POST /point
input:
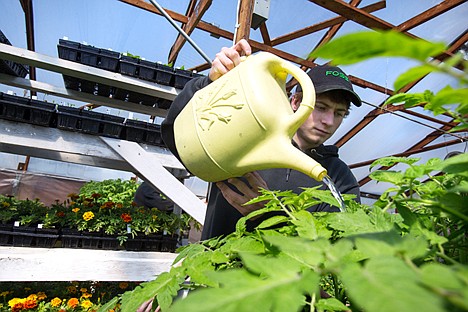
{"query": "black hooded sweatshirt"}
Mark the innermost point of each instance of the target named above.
(221, 217)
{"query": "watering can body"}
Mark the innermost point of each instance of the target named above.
(244, 122)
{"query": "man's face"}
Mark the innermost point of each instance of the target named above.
(322, 123)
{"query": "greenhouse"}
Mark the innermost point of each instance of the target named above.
(246, 155)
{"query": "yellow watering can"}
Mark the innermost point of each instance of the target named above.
(244, 122)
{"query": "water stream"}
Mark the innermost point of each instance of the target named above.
(329, 183)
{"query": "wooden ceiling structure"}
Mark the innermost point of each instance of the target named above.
(192, 19)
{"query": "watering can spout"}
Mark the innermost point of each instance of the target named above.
(244, 122)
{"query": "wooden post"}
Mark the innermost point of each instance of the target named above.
(244, 20)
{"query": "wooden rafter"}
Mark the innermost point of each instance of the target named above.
(408, 152)
(194, 17)
(244, 20)
(376, 112)
(365, 19)
(415, 148)
(323, 25)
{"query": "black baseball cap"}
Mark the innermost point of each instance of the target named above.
(328, 78)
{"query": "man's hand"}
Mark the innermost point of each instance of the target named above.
(228, 58)
(249, 191)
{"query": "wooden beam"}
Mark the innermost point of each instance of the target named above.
(265, 34)
(429, 14)
(244, 20)
(408, 153)
(323, 25)
(372, 22)
(193, 20)
(418, 146)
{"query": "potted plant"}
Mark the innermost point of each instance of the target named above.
(347, 261)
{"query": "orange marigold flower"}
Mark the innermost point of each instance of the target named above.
(119, 205)
(30, 304)
(123, 285)
(17, 307)
(56, 302)
(71, 289)
(83, 290)
(126, 217)
(88, 215)
(73, 303)
(60, 214)
(75, 210)
(86, 304)
(96, 195)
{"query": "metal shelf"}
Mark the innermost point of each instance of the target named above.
(77, 70)
(154, 164)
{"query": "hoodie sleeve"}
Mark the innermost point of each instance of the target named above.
(167, 126)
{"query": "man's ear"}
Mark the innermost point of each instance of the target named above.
(295, 103)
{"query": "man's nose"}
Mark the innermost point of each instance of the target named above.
(328, 117)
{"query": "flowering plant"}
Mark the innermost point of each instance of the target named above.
(59, 296)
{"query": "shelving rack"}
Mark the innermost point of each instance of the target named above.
(152, 163)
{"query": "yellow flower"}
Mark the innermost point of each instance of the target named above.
(86, 304)
(83, 290)
(15, 301)
(86, 295)
(5, 204)
(56, 302)
(75, 210)
(88, 215)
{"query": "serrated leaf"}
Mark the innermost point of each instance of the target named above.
(331, 304)
(387, 284)
(275, 220)
(348, 49)
(165, 286)
(447, 96)
(310, 253)
(412, 75)
(392, 160)
(390, 176)
(441, 276)
(242, 291)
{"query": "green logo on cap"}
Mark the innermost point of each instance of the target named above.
(336, 74)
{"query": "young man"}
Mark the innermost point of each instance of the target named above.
(227, 198)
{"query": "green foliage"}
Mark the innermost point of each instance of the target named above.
(112, 190)
(408, 252)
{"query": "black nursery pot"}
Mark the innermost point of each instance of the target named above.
(68, 118)
(43, 113)
(135, 130)
(165, 75)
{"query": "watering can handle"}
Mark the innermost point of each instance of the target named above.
(308, 96)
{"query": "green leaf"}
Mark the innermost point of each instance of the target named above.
(331, 304)
(447, 96)
(310, 253)
(412, 75)
(309, 227)
(387, 284)
(457, 164)
(392, 160)
(356, 47)
(275, 220)
(165, 286)
(352, 223)
(391, 176)
(243, 291)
